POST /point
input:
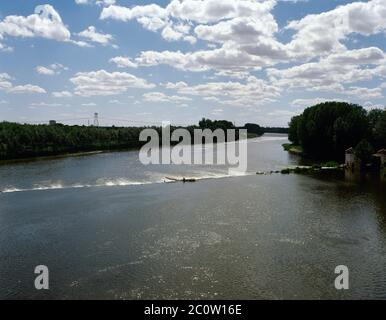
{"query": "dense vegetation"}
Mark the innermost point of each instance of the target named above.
(251, 127)
(215, 124)
(24, 141)
(326, 130)
(275, 130)
(254, 128)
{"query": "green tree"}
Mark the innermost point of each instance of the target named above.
(379, 130)
(326, 130)
(364, 151)
(254, 128)
(293, 135)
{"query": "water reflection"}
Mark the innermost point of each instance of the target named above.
(254, 236)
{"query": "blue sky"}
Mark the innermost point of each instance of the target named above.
(257, 61)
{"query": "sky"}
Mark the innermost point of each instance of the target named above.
(143, 62)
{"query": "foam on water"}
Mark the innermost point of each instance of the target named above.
(121, 182)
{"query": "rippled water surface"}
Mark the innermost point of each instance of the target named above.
(109, 227)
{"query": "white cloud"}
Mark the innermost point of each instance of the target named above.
(236, 39)
(365, 93)
(216, 112)
(115, 101)
(123, 62)
(246, 32)
(103, 83)
(210, 11)
(250, 93)
(314, 101)
(281, 113)
(328, 74)
(44, 23)
(325, 32)
(294, 1)
(152, 17)
(3, 47)
(62, 94)
(98, 2)
(28, 88)
(6, 85)
(45, 104)
(44, 71)
(161, 97)
(241, 30)
(55, 68)
(92, 35)
(222, 59)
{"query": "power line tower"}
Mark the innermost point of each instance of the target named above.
(96, 120)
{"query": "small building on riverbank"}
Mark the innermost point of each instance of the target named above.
(351, 161)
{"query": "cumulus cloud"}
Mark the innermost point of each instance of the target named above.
(162, 97)
(311, 102)
(123, 62)
(45, 104)
(91, 34)
(6, 85)
(365, 93)
(216, 112)
(103, 83)
(44, 71)
(246, 33)
(98, 2)
(210, 11)
(222, 59)
(62, 94)
(28, 88)
(233, 93)
(152, 17)
(325, 32)
(331, 72)
(236, 39)
(55, 68)
(244, 28)
(44, 23)
(3, 47)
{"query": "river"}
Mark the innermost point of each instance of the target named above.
(108, 227)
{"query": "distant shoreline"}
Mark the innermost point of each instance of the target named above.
(83, 153)
(50, 157)
(25, 142)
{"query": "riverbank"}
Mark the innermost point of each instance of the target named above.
(20, 142)
(292, 148)
(84, 153)
(58, 156)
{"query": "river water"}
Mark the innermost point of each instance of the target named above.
(108, 227)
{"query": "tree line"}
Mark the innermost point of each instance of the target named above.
(326, 130)
(25, 140)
